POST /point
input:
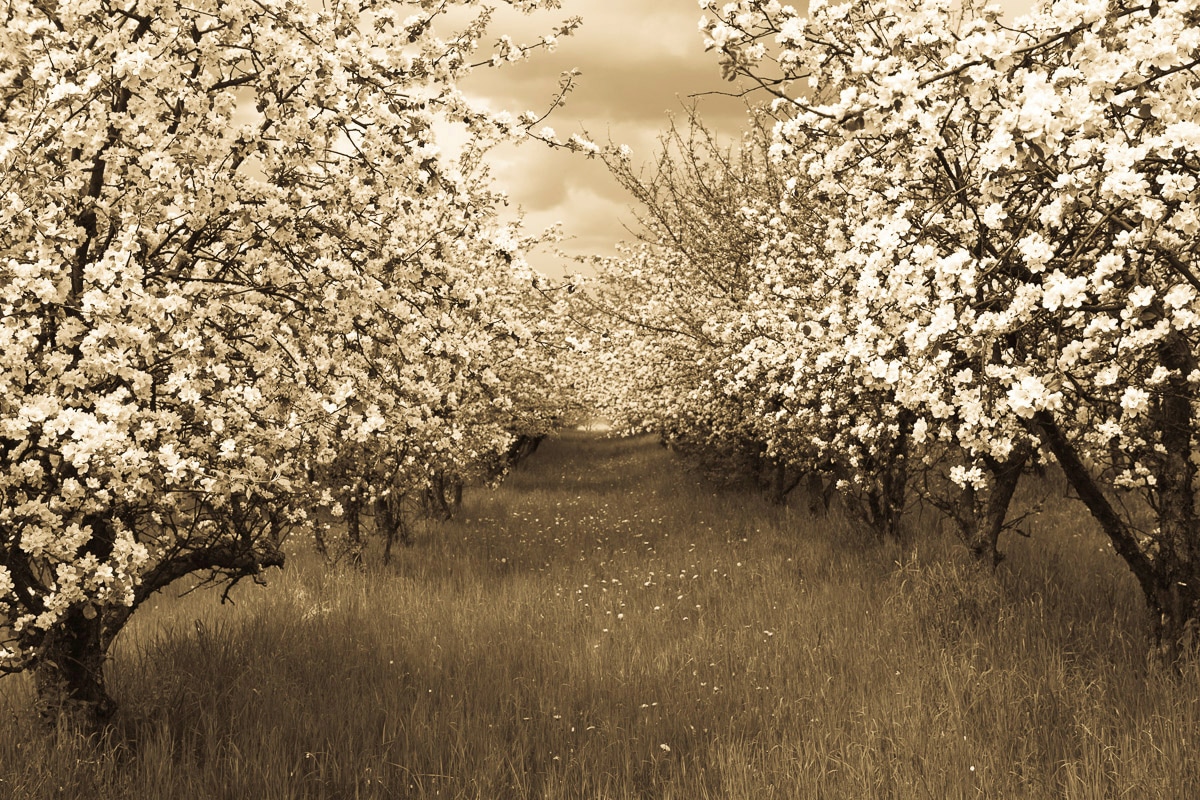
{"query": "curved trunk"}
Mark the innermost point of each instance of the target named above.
(522, 447)
(1170, 578)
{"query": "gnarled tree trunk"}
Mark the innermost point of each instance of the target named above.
(69, 672)
(981, 520)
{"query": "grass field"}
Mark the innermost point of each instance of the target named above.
(605, 625)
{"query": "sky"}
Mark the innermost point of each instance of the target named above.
(640, 60)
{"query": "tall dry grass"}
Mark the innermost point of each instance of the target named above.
(607, 626)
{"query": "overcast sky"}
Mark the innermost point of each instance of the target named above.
(640, 60)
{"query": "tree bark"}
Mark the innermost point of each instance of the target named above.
(980, 527)
(69, 673)
(1177, 588)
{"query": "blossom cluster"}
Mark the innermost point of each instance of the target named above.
(231, 253)
(982, 249)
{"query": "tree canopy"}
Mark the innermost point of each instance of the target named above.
(231, 248)
(984, 252)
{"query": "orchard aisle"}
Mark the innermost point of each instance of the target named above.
(583, 492)
(585, 499)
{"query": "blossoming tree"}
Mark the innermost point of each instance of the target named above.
(1018, 253)
(225, 237)
(726, 314)
(672, 306)
(487, 373)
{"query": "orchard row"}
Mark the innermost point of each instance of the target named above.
(952, 249)
(242, 290)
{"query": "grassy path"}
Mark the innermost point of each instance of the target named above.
(605, 625)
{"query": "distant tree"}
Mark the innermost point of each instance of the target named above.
(681, 288)
(489, 377)
(722, 300)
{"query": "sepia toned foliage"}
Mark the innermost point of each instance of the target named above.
(998, 265)
(231, 253)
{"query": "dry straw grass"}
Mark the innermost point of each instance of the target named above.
(607, 626)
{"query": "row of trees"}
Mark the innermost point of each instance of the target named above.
(949, 248)
(238, 281)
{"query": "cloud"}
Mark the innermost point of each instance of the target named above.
(636, 66)
(597, 222)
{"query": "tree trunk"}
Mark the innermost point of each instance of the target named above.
(69, 673)
(777, 494)
(1170, 580)
(435, 498)
(980, 528)
(523, 447)
(319, 540)
(354, 538)
(391, 519)
(1177, 590)
(887, 488)
(819, 489)
(69, 657)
